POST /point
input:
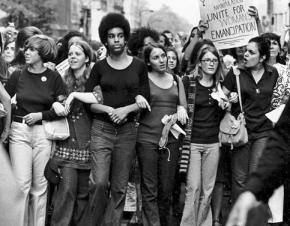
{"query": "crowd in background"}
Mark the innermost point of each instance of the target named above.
(122, 98)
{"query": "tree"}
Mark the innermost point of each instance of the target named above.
(39, 13)
(173, 22)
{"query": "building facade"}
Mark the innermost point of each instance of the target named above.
(83, 15)
(274, 14)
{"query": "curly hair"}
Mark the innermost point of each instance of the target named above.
(275, 37)
(112, 20)
(263, 45)
(136, 41)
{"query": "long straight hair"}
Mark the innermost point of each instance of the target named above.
(218, 75)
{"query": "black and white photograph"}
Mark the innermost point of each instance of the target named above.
(144, 113)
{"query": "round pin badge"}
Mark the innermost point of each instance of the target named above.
(43, 78)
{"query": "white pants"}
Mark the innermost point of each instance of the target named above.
(9, 192)
(29, 153)
(204, 159)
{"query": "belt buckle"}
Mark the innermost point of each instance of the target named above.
(20, 119)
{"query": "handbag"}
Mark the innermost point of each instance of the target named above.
(52, 172)
(233, 131)
(56, 129)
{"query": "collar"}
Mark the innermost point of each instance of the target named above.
(269, 70)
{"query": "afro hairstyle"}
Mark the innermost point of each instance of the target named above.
(136, 41)
(112, 20)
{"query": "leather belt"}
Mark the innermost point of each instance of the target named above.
(20, 119)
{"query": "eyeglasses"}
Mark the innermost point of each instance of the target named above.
(208, 61)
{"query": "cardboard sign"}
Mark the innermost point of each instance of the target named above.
(62, 67)
(229, 23)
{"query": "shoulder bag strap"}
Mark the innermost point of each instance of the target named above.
(239, 92)
(53, 148)
(176, 79)
(185, 151)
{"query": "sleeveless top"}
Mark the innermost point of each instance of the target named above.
(163, 102)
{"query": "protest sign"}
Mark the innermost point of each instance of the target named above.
(62, 67)
(229, 24)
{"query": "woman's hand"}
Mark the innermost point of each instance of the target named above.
(224, 104)
(32, 118)
(233, 97)
(5, 135)
(68, 102)
(119, 115)
(142, 102)
(202, 27)
(182, 114)
(3, 112)
(50, 65)
(239, 213)
(253, 11)
(59, 109)
(101, 53)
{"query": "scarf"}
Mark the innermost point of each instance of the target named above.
(185, 152)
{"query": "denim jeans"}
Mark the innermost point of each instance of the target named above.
(71, 197)
(157, 181)
(244, 160)
(201, 177)
(29, 152)
(112, 155)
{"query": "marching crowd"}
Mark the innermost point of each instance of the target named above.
(160, 98)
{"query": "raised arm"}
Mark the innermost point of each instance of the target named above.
(253, 11)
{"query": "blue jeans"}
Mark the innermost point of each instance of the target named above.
(112, 155)
(71, 197)
(157, 181)
(244, 160)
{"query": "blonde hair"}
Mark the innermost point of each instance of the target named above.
(85, 47)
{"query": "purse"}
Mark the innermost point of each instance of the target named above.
(52, 172)
(233, 131)
(57, 129)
